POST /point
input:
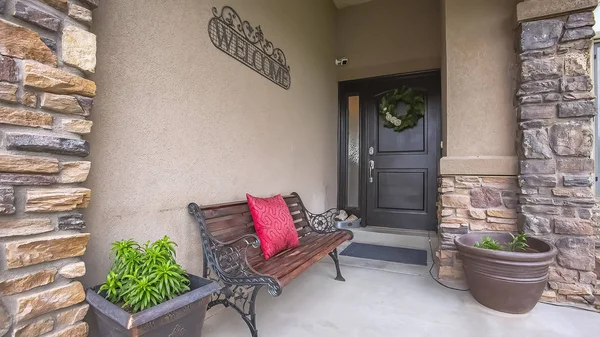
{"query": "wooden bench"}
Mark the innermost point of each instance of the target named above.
(232, 254)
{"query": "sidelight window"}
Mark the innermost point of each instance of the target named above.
(353, 160)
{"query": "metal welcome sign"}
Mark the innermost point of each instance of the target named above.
(238, 39)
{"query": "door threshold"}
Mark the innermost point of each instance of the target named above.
(392, 267)
(394, 237)
(398, 231)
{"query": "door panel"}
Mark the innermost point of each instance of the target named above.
(409, 140)
(401, 190)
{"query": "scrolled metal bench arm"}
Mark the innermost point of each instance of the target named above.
(324, 222)
(321, 223)
(229, 259)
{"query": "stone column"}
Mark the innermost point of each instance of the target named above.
(46, 51)
(478, 172)
(556, 107)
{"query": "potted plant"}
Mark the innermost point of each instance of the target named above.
(505, 272)
(148, 294)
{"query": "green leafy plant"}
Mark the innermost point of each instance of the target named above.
(144, 276)
(518, 243)
(112, 287)
(488, 243)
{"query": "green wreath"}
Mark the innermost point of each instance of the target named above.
(415, 106)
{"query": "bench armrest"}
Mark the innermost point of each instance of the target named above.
(324, 222)
(229, 260)
(248, 240)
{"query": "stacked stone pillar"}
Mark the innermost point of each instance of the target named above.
(472, 204)
(46, 52)
(556, 109)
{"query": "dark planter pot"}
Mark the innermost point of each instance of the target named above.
(510, 282)
(181, 316)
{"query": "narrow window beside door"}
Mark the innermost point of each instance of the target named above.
(353, 175)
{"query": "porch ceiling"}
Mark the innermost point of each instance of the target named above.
(347, 3)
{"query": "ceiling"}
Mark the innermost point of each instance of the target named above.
(347, 3)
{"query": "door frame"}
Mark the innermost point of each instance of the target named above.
(352, 88)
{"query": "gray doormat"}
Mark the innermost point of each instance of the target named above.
(385, 253)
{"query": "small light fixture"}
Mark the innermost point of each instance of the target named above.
(341, 61)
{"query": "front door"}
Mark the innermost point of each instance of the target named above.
(400, 169)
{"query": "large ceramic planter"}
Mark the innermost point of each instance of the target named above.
(510, 282)
(181, 316)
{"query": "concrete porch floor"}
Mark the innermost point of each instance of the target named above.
(381, 303)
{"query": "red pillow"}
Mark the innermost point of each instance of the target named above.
(273, 223)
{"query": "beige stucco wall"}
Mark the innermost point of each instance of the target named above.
(177, 120)
(479, 67)
(385, 37)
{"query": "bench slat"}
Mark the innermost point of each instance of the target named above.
(300, 222)
(306, 243)
(234, 234)
(254, 255)
(298, 216)
(286, 263)
(232, 221)
(295, 208)
(304, 230)
(213, 212)
(291, 200)
(257, 261)
(286, 278)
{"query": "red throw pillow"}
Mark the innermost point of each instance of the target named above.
(273, 223)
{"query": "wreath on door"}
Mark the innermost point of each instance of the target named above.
(415, 108)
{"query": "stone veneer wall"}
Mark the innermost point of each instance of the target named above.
(472, 203)
(556, 140)
(596, 223)
(46, 50)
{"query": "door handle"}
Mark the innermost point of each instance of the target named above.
(371, 167)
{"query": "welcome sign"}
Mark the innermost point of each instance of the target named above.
(248, 45)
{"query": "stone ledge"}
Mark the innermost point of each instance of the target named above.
(28, 164)
(35, 328)
(72, 315)
(56, 81)
(37, 304)
(57, 200)
(73, 270)
(22, 227)
(26, 282)
(535, 9)
(78, 330)
(28, 252)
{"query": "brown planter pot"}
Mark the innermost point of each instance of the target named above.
(510, 282)
(181, 316)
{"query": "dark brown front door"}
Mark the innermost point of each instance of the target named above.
(400, 189)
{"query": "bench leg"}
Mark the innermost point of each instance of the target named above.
(252, 313)
(205, 270)
(336, 260)
(243, 300)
